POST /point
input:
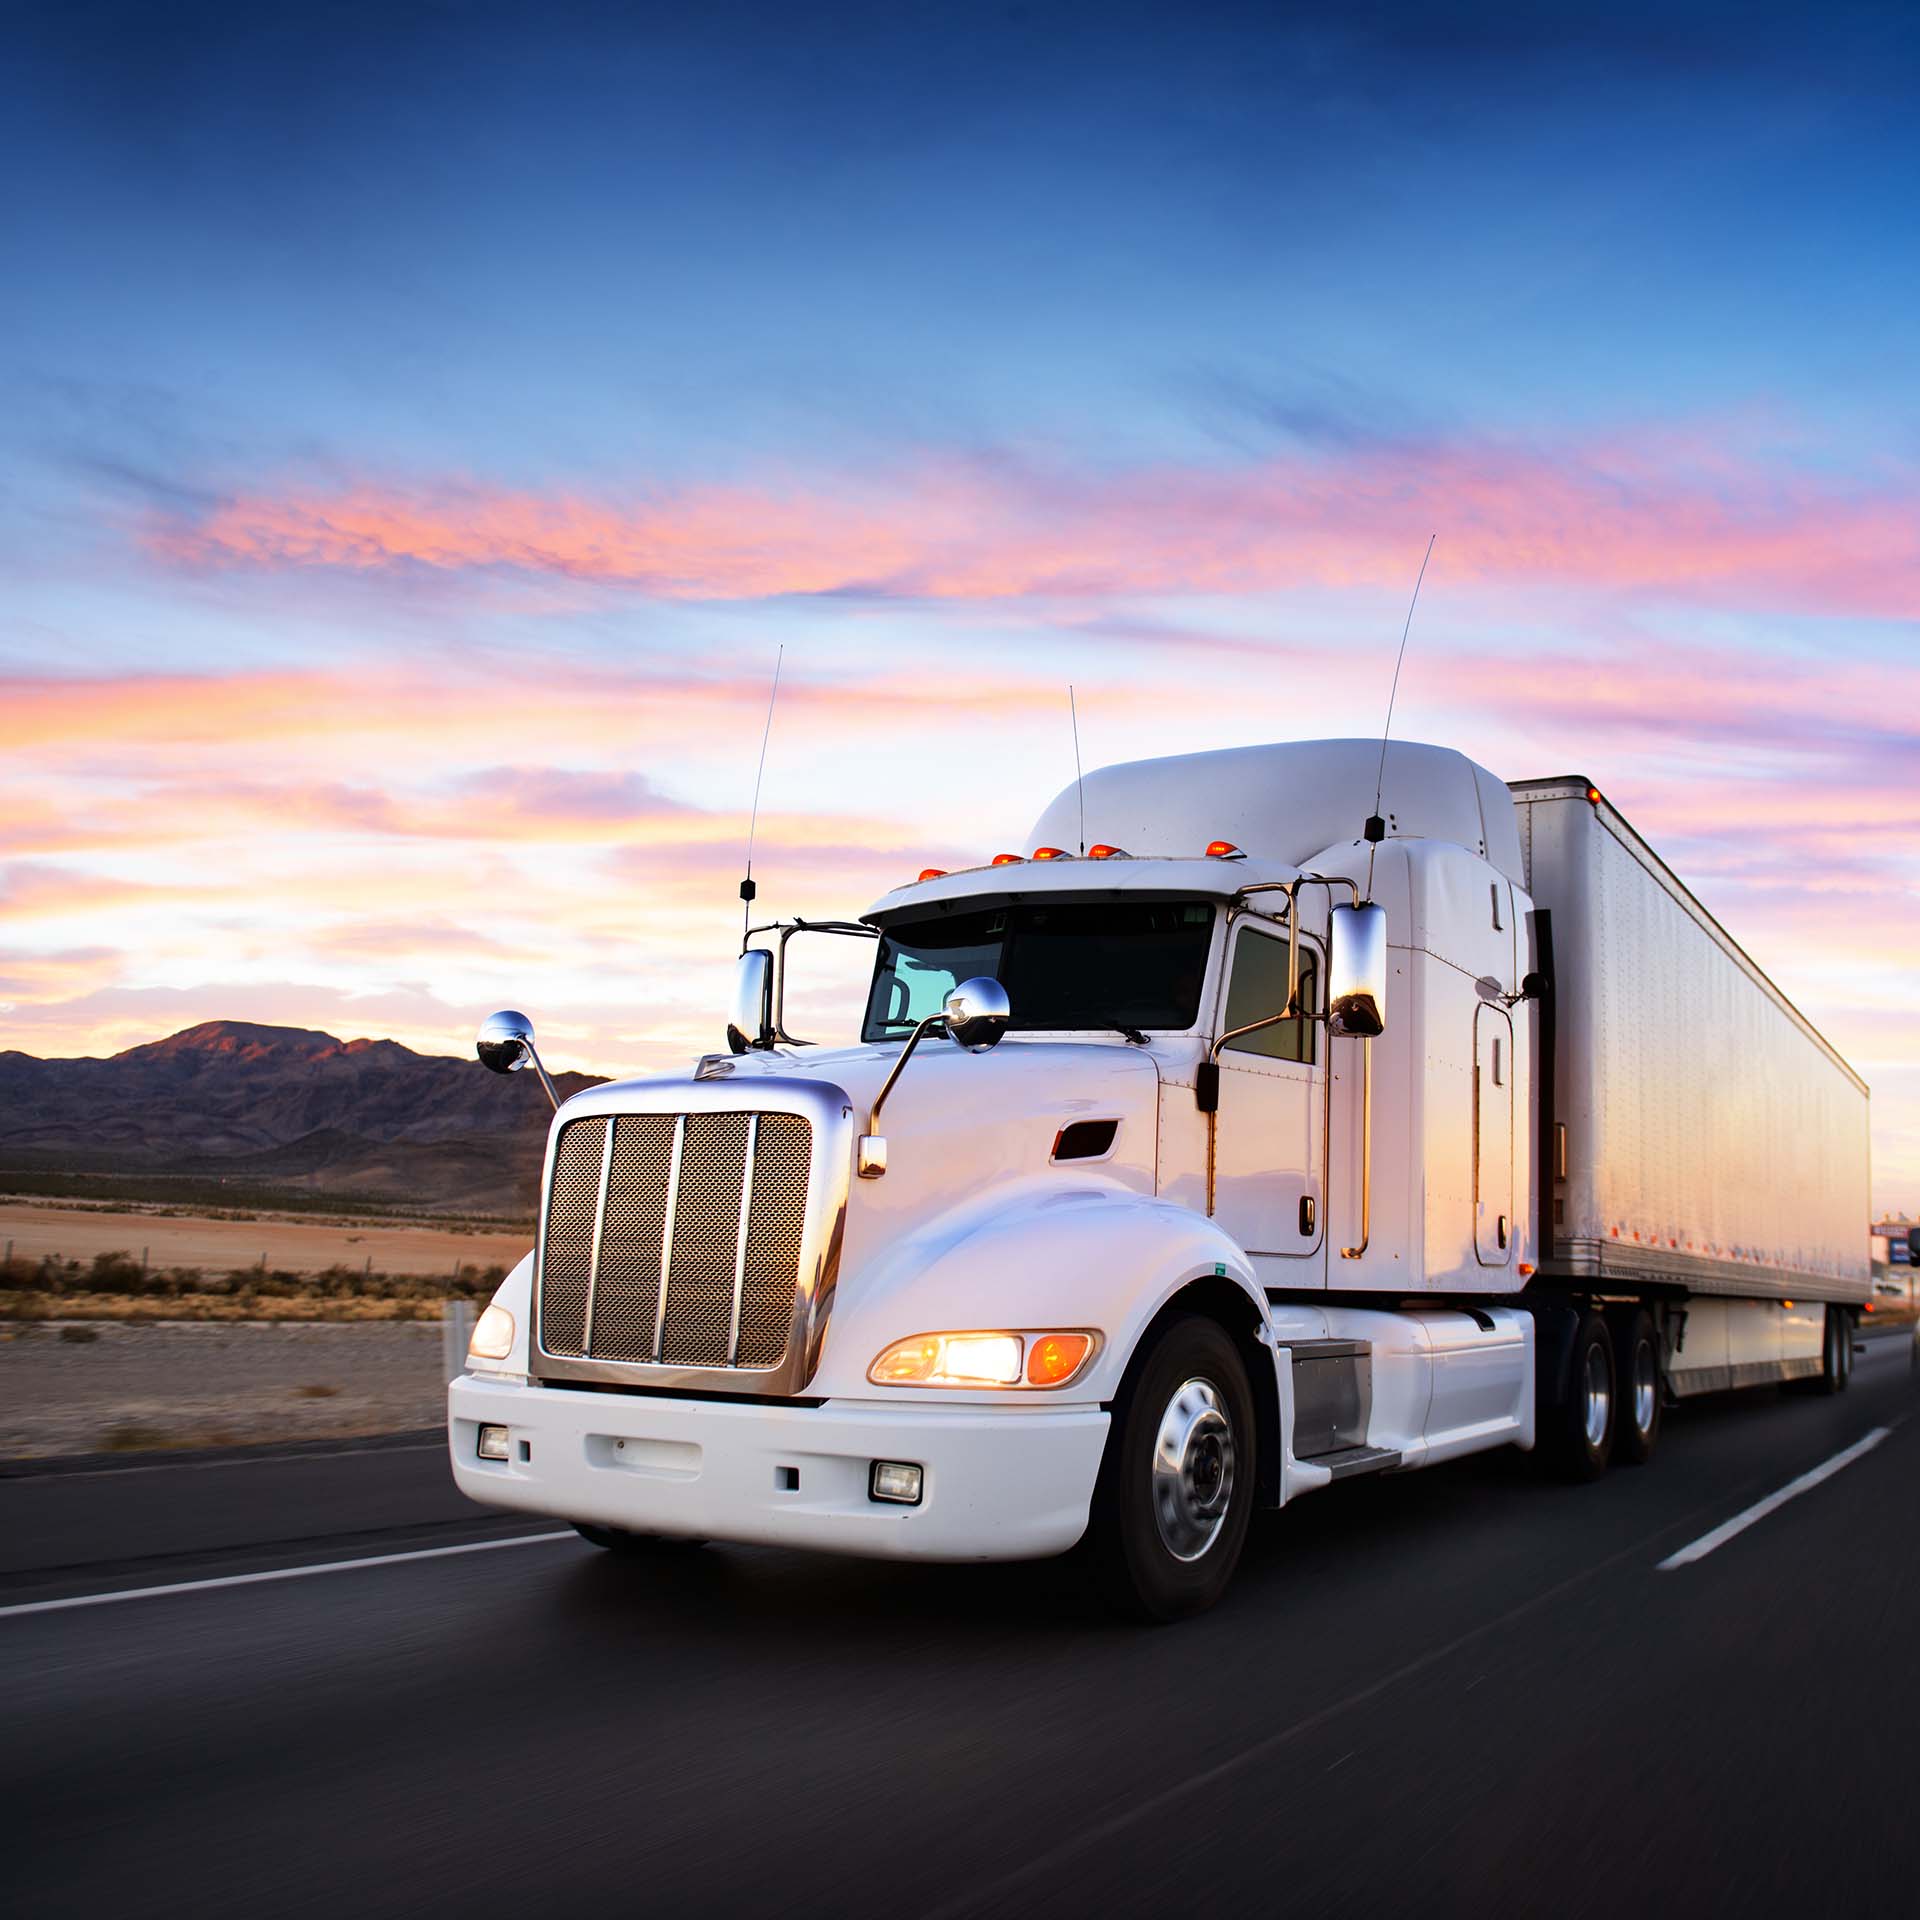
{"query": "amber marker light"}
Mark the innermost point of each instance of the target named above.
(1105, 852)
(1054, 1358)
(933, 873)
(1009, 859)
(1593, 796)
(1051, 853)
(1223, 850)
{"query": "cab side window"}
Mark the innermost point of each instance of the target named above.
(1257, 988)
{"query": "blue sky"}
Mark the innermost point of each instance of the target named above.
(402, 400)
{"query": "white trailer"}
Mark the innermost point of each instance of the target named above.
(1258, 1143)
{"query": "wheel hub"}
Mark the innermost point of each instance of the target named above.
(1193, 1463)
(1599, 1396)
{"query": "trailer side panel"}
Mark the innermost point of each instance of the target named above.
(1713, 1139)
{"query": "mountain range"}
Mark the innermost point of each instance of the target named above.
(235, 1106)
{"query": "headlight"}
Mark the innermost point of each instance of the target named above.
(984, 1360)
(492, 1335)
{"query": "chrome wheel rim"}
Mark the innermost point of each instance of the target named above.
(1646, 1385)
(1599, 1396)
(1193, 1463)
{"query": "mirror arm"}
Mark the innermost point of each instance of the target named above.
(553, 1098)
(870, 1150)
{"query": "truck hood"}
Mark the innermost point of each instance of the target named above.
(958, 1124)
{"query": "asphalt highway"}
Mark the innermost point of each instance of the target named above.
(1465, 1691)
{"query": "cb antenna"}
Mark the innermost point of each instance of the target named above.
(1376, 829)
(747, 888)
(1079, 778)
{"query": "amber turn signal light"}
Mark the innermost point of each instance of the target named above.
(1054, 1357)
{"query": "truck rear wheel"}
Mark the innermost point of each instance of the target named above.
(1176, 1486)
(1578, 1431)
(1636, 1366)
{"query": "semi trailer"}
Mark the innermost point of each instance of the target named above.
(1271, 1116)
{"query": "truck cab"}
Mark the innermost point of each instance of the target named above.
(1116, 1115)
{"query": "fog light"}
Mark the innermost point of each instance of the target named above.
(897, 1481)
(493, 1443)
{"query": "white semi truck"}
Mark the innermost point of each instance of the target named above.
(1271, 1116)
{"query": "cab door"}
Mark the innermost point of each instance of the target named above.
(1268, 1176)
(1492, 1136)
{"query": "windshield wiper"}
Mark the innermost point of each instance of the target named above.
(1132, 1034)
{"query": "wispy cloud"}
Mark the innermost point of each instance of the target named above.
(1682, 514)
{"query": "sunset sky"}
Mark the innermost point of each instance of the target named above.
(420, 426)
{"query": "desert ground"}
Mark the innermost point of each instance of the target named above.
(290, 1244)
(71, 1388)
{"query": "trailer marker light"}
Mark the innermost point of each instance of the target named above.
(933, 873)
(493, 1443)
(1105, 852)
(1593, 796)
(896, 1481)
(1223, 850)
(1526, 1269)
(1009, 859)
(1051, 853)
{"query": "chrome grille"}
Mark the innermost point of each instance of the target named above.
(678, 1241)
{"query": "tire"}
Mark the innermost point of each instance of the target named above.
(618, 1540)
(1176, 1485)
(1836, 1354)
(1636, 1369)
(1577, 1433)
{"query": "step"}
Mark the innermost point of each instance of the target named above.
(1344, 1462)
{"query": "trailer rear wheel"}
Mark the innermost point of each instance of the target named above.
(1176, 1486)
(1836, 1368)
(1578, 1432)
(1636, 1360)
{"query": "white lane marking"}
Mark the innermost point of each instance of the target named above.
(1699, 1549)
(282, 1573)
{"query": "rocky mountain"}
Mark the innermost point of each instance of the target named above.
(280, 1109)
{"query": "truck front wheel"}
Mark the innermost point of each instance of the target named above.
(1176, 1486)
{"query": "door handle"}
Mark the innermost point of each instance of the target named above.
(1306, 1216)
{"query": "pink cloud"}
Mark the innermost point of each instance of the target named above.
(1693, 519)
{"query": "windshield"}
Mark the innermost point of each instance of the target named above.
(1067, 967)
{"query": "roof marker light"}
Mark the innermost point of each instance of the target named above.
(1051, 853)
(1009, 859)
(933, 873)
(1223, 850)
(1593, 796)
(1105, 852)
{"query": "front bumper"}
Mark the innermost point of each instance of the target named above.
(1001, 1483)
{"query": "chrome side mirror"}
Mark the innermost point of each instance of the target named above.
(977, 1012)
(1357, 972)
(975, 1016)
(750, 1018)
(505, 1045)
